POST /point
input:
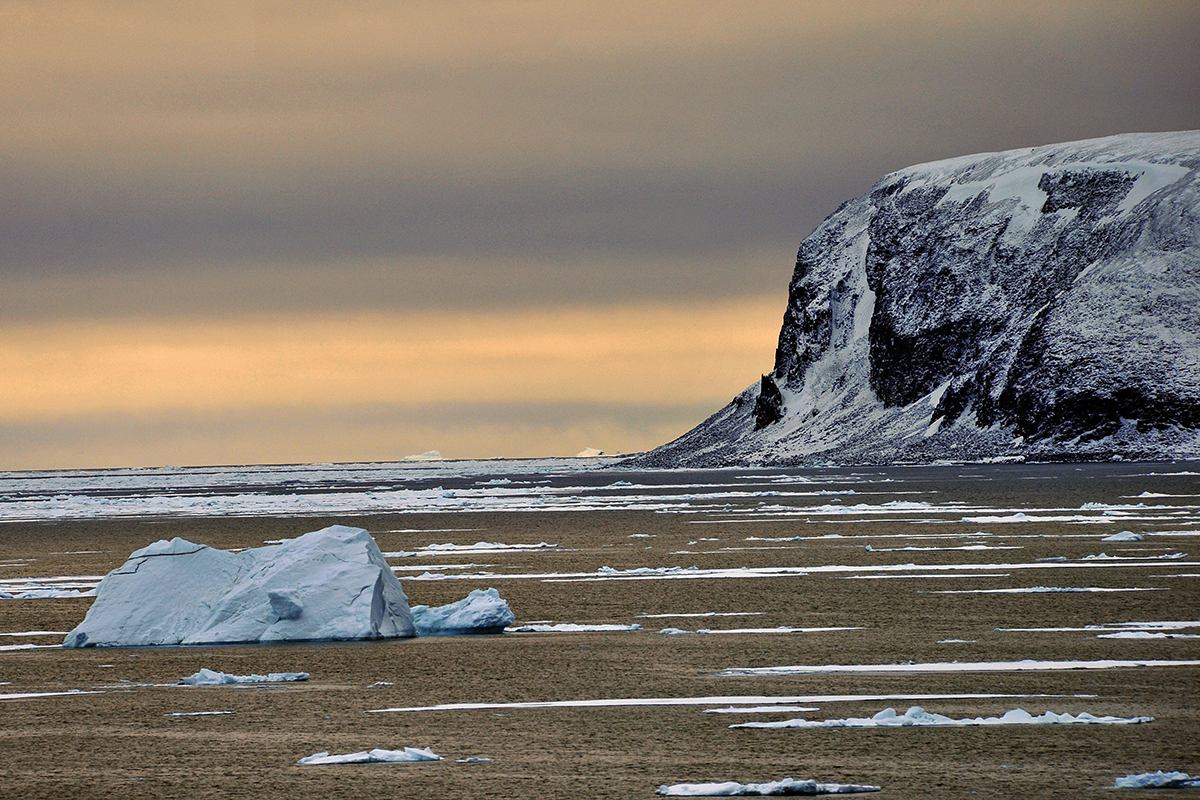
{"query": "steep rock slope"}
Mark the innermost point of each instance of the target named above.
(1039, 303)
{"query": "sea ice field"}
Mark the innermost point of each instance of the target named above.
(982, 630)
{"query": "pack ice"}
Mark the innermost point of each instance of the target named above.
(329, 584)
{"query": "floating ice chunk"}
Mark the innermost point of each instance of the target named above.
(482, 611)
(208, 677)
(329, 584)
(786, 786)
(376, 756)
(1158, 780)
(199, 713)
(32, 695)
(919, 717)
(1124, 536)
(1026, 665)
(450, 546)
(1147, 635)
(473, 760)
(570, 627)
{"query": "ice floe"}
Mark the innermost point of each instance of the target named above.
(482, 611)
(785, 786)
(494, 547)
(199, 713)
(376, 756)
(1053, 590)
(728, 700)
(1158, 780)
(571, 627)
(1124, 536)
(780, 629)
(919, 717)
(35, 695)
(208, 677)
(1027, 665)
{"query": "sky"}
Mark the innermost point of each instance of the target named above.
(309, 231)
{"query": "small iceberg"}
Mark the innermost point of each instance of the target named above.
(786, 786)
(1158, 780)
(208, 677)
(406, 756)
(482, 611)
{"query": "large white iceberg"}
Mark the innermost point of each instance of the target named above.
(329, 584)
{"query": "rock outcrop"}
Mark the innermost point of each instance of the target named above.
(1040, 303)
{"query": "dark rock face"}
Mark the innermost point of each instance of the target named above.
(768, 408)
(1038, 303)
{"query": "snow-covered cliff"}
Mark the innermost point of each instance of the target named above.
(1039, 303)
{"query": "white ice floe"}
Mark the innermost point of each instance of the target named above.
(486, 547)
(199, 713)
(44, 593)
(1167, 625)
(919, 717)
(1027, 665)
(1147, 635)
(208, 677)
(571, 627)
(1124, 536)
(1158, 780)
(36, 695)
(328, 584)
(741, 700)
(482, 611)
(11, 647)
(1053, 590)
(34, 633)
(702, 614)
(474, 760)
(777, 709)
(376, 756)
(1161, 557)
(786, 786)
(780, 629)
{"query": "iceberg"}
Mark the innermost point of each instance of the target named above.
(331, 584)
(786, 786)
(482, 611)
(376, 756)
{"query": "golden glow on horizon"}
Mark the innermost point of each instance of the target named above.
(643, 354)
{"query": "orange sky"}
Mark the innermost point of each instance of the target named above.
(299, 230)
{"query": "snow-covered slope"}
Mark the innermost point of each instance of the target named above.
(1040, 303)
